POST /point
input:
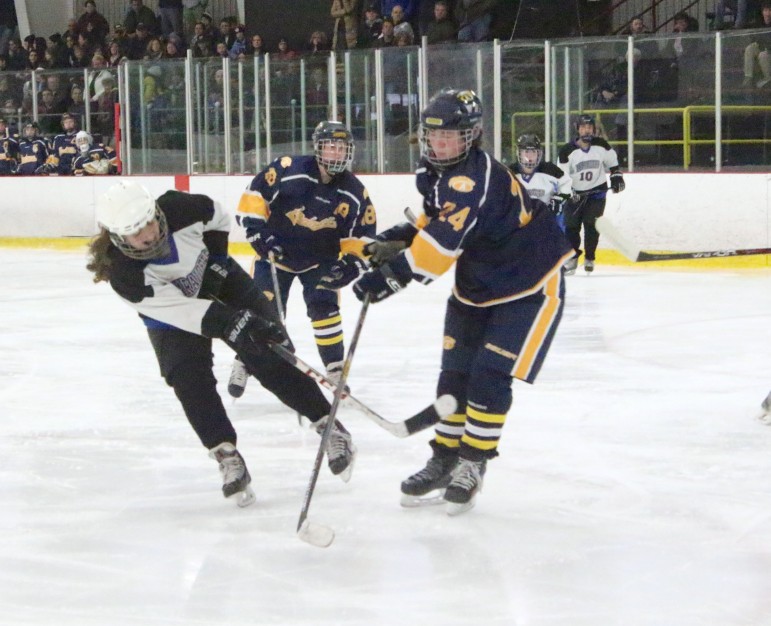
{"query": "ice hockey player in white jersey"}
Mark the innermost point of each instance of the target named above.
(168, 260)
(543, 180)
(588, 160)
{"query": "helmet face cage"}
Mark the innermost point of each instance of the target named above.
(332, 135)
(159, 249)
(451, 110)
(583, 120)
(529, 143)
(83, 141)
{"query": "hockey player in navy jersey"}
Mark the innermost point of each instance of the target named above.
(588, 160)
(9, 150)
(93, 159)
(168, 260)
(33, 150)
(543, 180)
(63, 148)
(507, 299)
(313, 217)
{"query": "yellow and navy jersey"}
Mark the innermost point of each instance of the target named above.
(32, 154)
(63, 152)
(9, 155)
(99, 160)
(313, 222)
(505, 244)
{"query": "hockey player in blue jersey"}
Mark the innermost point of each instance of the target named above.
(588, 160)
(9, 150)
(63, 148)
(313, 217)
(33, 150)
(507, 299)
(93, 159)
(543, 180)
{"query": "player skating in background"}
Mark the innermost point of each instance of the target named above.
(587, 160)
(543, 180)
(313, 217)
(765, 410)
(507, 299)
(168, 259)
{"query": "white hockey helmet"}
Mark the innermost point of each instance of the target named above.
(83, 141)
(124, 210)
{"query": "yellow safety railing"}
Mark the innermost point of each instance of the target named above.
(687, 113)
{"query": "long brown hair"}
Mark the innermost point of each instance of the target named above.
(99, 261)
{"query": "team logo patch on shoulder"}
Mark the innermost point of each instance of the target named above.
(463, 184)
(270, 176)
(286, 161)
(448, 343)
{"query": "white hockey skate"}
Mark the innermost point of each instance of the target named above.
(235, 476)
(238, 378)
(765, 410)
(570, 266)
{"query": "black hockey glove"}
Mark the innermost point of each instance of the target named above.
(379, 284)
(383, 251)
(246, 328)
(214, 277)
(342, 272)
(617, 182)
(265, 242)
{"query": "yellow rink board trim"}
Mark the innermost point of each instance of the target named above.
(604, 257)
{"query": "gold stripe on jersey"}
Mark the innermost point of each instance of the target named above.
(520, 294)
(354, 245)
(483, 430)
(428, 258)
(450, 430)
(253, 204)
(540, 328)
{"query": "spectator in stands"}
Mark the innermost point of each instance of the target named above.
(206, 20)
(119, 35)
(33, 60)
(442, 29)
(386, 38)
(738, 8)
(58, 51)
(105, 117)
(170, 12)
(198, 34)
(138, 14)
(403, 38)
(370, 26)
(191, 14)
(688, 56)
(17, 58)
(241, 44)
(317, 47)
(48, 113)
(285, 53)
(172, 50)
(87, 44)
(636, 27)
(93, 23)
(474, 18)
(77, 105)
(154, 50)
(115, 54)
(409, 8)
(221, 50)
(757, 55)
(345, 31)
(258, 46)
(78, 57)
(204, 47)
(138, 42)
(401, 25)
(97, 76)
(226, 35)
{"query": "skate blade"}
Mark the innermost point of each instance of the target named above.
(764, 417)
(245, 498)
(416, 502)
(455, 508)
(346, 474)
(569, 272)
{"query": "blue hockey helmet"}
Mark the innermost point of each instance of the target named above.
(329, 133)
(451, 110)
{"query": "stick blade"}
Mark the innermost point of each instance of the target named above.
(621, 243)
(316, 534)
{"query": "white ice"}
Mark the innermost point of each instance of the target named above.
(633, 486)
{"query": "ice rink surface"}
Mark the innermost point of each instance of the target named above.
(633, 486)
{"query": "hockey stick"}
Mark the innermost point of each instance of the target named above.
(441, 408)
(315, 534)
(633, 252)
(279, 302)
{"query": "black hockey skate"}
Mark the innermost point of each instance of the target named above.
(765, 410)
(588, 266)
(238, 378)
(570, 266)
(341, 453)
(235, 476)
(467, 478)
(434, 476)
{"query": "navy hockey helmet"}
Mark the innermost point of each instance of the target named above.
(529, 151)
(333, 146)
(584, 120)
(454, 110)
(69, 117)
(31, 129)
